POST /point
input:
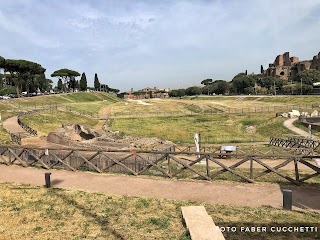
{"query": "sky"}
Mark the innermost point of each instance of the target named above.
(148, 43)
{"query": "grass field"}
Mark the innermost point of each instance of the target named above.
(86, 102)
(220, 128)
(29, 212)
(178, 119)
(294, 99)
(227, 176)
(50, 121)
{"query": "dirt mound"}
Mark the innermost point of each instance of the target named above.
(79, 136)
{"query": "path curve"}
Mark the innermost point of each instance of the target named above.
(289, 124)
(240, 194)
(11, 125)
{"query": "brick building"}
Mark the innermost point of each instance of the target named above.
(287, 67)
(146, 93)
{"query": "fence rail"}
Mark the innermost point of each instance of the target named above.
(295, 142)
(166, 164)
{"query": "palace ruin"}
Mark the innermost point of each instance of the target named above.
(287, 67)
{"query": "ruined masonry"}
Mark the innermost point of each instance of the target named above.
(287, 67)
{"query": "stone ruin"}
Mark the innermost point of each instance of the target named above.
(77, 135)
(287, 67)
(296, 113)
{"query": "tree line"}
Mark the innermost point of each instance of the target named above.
(26, 76)
(242, 83)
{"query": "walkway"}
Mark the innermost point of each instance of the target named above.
(210, 192)
(11, 125)
(289, 124)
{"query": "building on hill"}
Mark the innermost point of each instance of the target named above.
(146, 93)
(287, 67)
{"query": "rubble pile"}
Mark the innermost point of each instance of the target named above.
(79, 136)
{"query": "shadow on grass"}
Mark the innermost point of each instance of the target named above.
(101, 220)
(304, 197)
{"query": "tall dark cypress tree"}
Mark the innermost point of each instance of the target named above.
(96, 82)
(83, 82)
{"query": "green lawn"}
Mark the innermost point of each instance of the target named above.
(39, 213)
(46, 122)
(220, 128)
(63, 99)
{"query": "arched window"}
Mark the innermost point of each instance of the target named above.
(282, 73)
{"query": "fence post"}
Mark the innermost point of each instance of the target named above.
(251, 168)
(207, 166)
(169, 164)
(287, 199)
(48, 180)
(296, 170)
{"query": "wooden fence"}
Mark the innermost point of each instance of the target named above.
(291, 141)
(167, 164)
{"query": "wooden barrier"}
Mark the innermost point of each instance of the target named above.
(166, 164)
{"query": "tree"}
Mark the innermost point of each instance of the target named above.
(221, 87)
(22, 70)
(96, 82)
(243, 83)
(308, 76)
(66, 75)
(177, 93)
(297, 89)
(2, 65)
(207, 83)
(83, 82)
(114, 90)
(193, 91)
(105, 88)
(59, 84)
(270, 82)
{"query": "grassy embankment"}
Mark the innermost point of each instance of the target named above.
(178, 120)
(88, 103)
(29, 212)
(50, 121)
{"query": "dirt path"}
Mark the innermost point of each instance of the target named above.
(140, 102)
(11, 125)
(210, 192)
(289, 124)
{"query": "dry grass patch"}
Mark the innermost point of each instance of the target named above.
(46, 122)
(29, 212)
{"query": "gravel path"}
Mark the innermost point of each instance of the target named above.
(211, 192)
(11, 125)
(289, 124)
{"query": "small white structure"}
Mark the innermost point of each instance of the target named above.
(314, 113)
(197, 142)
(294, 113)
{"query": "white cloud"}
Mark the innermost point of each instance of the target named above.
(137, 43)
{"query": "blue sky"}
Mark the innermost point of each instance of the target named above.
(157, 43)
